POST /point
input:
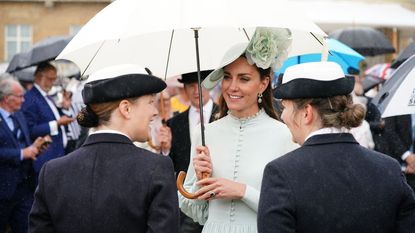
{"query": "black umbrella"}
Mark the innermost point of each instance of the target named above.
(46, 50)
(404, 55)
(26, 74)
(366, 41)
(64, 68)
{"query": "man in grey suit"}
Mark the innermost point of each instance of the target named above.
(331, 183)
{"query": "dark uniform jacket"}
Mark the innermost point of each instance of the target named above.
(180, 145)
(107, 185)
(332, 184)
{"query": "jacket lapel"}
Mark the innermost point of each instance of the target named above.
(7, 131)
(43, 104)
(184, 122)
(24, 130)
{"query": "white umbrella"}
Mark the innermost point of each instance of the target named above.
(397, 96)
(172, 37)
(159, 34)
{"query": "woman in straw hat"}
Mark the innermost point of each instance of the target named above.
(331, 183)
(110, 185)
(242, 141)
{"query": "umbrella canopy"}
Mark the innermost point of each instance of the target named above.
(65, 69)
(46, 50)
(26, 74)
(370, 82)
(397, 96)
(340, 53)
(365, 40)
(382, 71)
(404, 55)
(159, 34)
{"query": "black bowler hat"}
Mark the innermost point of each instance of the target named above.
(314, 80)
(120, 82)
(192, 77)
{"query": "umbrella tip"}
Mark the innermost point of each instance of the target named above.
(148, 71)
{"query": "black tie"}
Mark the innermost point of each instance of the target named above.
(16, 124)
(20, 138)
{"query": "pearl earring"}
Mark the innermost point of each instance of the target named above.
(259, 98)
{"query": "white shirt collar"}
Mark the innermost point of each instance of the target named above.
(206, 108)
(40, 89)
(4, 113)
(109, 131)
(328, 130)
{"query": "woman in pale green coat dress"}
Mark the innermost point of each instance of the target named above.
(238, 145)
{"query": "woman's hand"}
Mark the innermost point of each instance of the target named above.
(202, 162)
(220, 188)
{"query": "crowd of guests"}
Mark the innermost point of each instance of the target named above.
(302, 157)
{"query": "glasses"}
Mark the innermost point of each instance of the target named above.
(18, 96)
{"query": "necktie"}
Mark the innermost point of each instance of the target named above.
(51, 99)
(16, 125)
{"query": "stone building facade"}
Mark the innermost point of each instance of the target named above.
(23, 23)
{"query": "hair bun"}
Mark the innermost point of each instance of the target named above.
(87, 118)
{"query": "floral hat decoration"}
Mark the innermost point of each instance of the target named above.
(268, 48)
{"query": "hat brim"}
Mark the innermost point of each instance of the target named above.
(301, 88)
(192, 77)
(231, 55)
(121, 87)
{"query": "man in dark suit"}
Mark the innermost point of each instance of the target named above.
(183, 126)
(395, 138)
(16, 156)
(43, 116)
(330, 183)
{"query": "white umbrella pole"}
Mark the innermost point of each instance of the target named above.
(325, 52)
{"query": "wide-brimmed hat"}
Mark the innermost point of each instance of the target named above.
(120, 82)
(268, 48)
(192, 76)
(314, 80)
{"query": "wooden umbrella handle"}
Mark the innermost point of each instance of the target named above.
(179, 184)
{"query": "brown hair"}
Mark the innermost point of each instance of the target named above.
(94, 115)
(337, 111)
(267, 103)
(42, 67)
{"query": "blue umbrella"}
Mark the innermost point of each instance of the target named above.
(340, 53)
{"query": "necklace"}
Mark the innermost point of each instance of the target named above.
(248, 117)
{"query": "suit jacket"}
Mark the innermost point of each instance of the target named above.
(107, 185)
(38, 115)
(332, 184)
(396, 136)
(12, 169)
(180, 145)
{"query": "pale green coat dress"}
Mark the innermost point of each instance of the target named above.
(239, 149)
